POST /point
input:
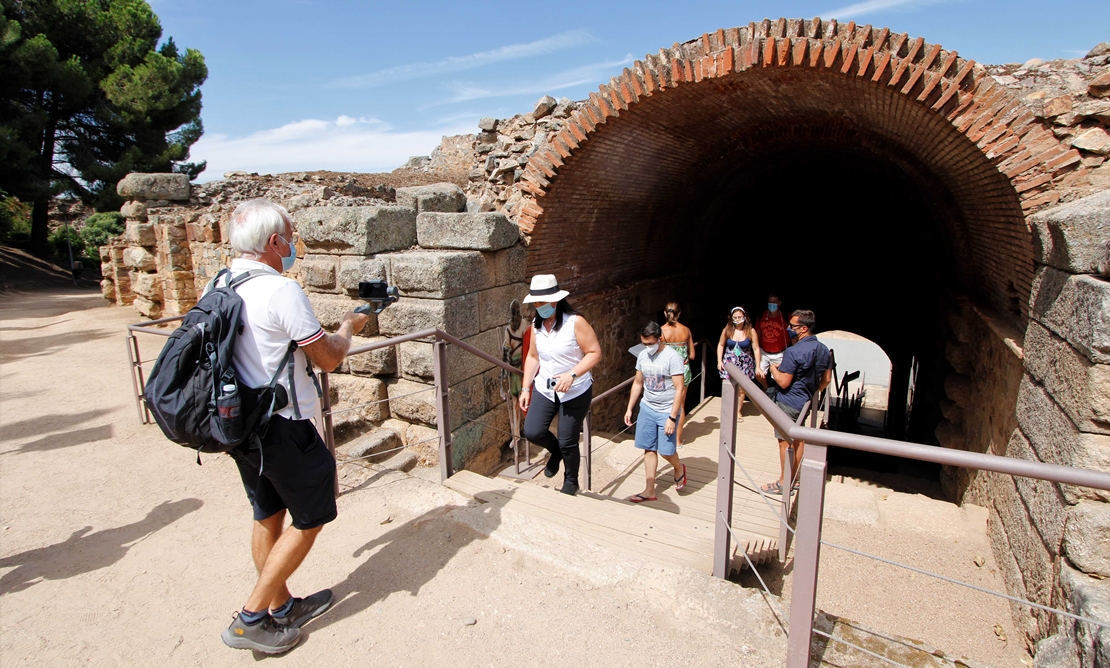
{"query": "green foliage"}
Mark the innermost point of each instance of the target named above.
(87, 95)
(98, 228)
(15, 221)
(57, 244)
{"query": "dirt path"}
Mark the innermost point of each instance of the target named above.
(116, 549)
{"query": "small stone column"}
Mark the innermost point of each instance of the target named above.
(153, 255)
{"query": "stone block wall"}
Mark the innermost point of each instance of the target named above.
(460, 277)
(1046, 398)
(457, 271)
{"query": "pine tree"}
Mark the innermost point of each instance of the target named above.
(87, 95)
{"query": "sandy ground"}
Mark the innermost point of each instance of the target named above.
(117, 550)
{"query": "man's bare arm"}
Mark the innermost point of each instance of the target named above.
(328, 351)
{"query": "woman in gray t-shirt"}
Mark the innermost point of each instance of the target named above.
(659, 375)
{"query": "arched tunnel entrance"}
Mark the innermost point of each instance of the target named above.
(877, 180)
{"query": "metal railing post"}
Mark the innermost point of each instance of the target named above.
(443, 419)
(704, 349)
(136, 368)
(587, 436)
(787, 488)
(329, 431)
(807, 555)
(725, 476)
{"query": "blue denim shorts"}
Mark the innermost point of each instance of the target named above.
(650, 432)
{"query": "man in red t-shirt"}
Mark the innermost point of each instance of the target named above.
(773, 339)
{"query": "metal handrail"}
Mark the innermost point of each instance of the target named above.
(814, 466)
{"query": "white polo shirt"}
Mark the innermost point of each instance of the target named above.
(275, 312)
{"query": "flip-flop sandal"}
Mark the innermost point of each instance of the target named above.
(640, 498)
(679, 483)
(772, 488)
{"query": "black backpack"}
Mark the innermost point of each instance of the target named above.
(193, 391)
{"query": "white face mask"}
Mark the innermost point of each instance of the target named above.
(652, 349)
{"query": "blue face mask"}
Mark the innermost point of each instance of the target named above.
(287, 261)
(792, 332)
(772, 307)
(546, 311)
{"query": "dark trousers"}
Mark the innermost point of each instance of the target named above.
(563, 447)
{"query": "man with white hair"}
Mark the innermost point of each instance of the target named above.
(292, 471)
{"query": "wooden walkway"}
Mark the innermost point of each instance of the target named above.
(678, 528)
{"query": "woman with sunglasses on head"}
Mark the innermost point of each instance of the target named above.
(678, 337)
(739, 345)
(564, 349)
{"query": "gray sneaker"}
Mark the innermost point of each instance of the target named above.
(264, 636)
(305, 609)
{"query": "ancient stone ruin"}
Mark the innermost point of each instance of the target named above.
(956, 214)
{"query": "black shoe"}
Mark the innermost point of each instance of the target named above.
(552, 467)
(569, 488)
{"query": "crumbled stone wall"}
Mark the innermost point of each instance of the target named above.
(1072, 98)
(457, 271)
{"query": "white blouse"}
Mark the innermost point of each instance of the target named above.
(559, 353)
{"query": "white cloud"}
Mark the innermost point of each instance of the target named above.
(876, 6)
(586, 75)
(346, 144)
(566, 40)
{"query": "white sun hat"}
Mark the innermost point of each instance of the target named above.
(544, 288)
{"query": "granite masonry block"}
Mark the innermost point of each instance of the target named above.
(438, 274)
(356, 230)
(466, 231)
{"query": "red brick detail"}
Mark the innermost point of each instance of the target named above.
(568, 139)
(816, 49)
(880, 41)
(1050, 197)
(576, 130)
(798, 52)
(848, 58)
(865, 61)
(953, 85)
(1070, 158)
(782, 52)
(831, 53)
(968, 132)
(918, 71)
(906, 62)
(881, 68)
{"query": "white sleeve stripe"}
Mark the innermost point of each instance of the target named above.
(307, 340)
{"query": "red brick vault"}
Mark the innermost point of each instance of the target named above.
(707, 115)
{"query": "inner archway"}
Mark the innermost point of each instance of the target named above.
(878, 180)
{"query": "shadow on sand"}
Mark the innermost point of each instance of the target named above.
(404, 559)
(84, 552)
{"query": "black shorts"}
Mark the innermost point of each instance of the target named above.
(297, 472)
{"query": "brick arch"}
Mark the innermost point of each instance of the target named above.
(667, 120)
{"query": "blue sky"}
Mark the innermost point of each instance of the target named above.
(361, 86)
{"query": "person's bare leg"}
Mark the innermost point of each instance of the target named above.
(651, 467)
(799, 446)
(682, 416)
(285, 556)
(740, 405)
(675, 463)
(783, 446)
(265, 535)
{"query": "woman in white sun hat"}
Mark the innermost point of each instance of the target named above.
(564, 349)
